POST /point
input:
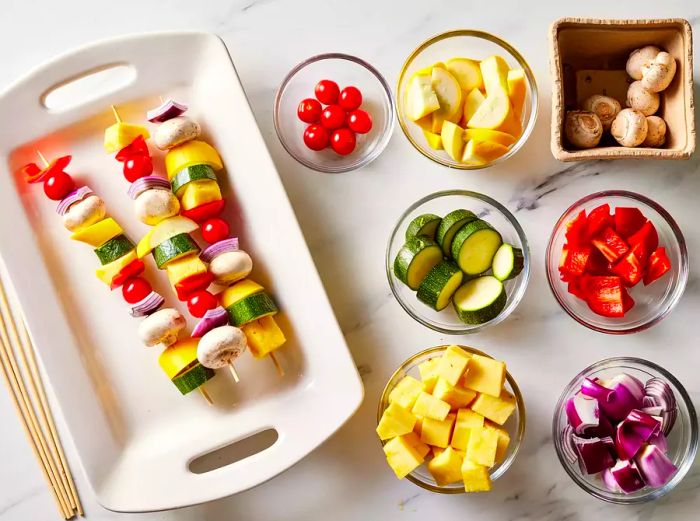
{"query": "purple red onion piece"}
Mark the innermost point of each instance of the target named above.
(656, 468)
(567, 444)
(583, 413)
(169, 109)
(594, 389)
(593, 454)
(213, 318)
(75, 196)
(627, 476)
(146, 183)
(149, 304)
(216, 249)
(634, 431)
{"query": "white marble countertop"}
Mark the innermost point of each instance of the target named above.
(347, 219)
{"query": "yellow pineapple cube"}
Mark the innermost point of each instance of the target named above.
(436, 432)
(485, 375)
(482, 445)
(120, 135)
(436, 451)
(418, 426)
(395, 421)
(406, 392)
(184, 267)
(476, 477)
(446, 468)
(402, 456)
(466, 421)
(264, 336)
(199, 192)
(457, 396)
(452, 364)
(498, 410)
(428, 373)
(503, 440)
(428, 406)
(414, 440)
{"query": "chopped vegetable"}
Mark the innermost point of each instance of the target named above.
(594, 454)
(149, 304)
(212, 318)
(628, 221)
(610, 244)
(659, 264)
(223, 246)
(583, 413)
(604, 295)
(629, 268)
(656, 468)
(634, 431)
(598, 220)
(167, 110)
(626, 476)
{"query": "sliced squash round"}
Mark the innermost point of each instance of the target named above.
(439, 285)
(425, 224)
(173, 249)
(415, 259)
(508, 262)
(113, 249)
(251, 308)
(193, 378)
(480, 300)
(450, 225)
(474, 247)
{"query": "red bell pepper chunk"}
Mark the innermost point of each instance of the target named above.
(597, 263)
(598, 220)
(575, 228)
(133, 269)
(186, 287)
(629, 269)
(604, 296)
(628, 221)
(137, 147)
(659, 264)
(204, 211)
(610, 244)
(576, 260)
(627, 301)
(644, 241)
(57, 165)
(576, 287)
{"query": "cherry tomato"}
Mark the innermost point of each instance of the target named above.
(136, 289)
(309, 110)
(360, 121)
(137, 167)
(316, 137)
(333, 116)
(215, 230)
(58, 185)
(200, 302)
(350, 98)
(327, 92)
(343, 141)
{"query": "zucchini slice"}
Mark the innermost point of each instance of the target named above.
(415, 259)
(192, 378)
(450, 225)
(480, 300)
(508, 262)
(474, 247)
(189, 174)
(439, 285)
(113, 249)
(174, 248)
(425, 224)
(251, 308)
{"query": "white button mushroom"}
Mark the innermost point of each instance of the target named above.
(658, 74)
(221, 346)
(641, 99)
(162, 327)
(156, 204)
(231, 266)
(629, 128)
(583, 129)
(176, 131)
(84, 213)
(639, 58)
(656, 132)
(605, 107)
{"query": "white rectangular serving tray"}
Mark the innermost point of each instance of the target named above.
(135, 434)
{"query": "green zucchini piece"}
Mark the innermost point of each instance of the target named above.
(474, 247)
(174, 248)
(193, 378)
(251, 308)
(508, 262)
(415, 259)
(113, 249)
(449, 226)
(425, 224)
(480, 300)
(191, 173)
(439, 285)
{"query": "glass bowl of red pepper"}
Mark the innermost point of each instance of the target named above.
(617, 262)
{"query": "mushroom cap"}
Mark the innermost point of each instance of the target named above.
(231, 266)
(583, 129)
(656, 132)
(629, 128)
(658, 74)
(84, 213)
(221, 346)
(161, 327)
(641, 99)
(605, 107)
(176, 131)
(640, 57)
(155, 204)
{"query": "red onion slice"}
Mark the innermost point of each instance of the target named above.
(627, 476)
(634, 431)
(169, 109)
(659, 393)
(594, 454)
(594, 389)
(583, 413)
(149, 304)
(146, 183)
(75, 196)
(213, 318)
(567, 444)
(216, 249)
(656, 468)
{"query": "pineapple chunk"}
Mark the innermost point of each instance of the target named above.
(428, 406)
(406, 392)
(414, 440)
(395, 421)
(418, 426)
(184, 267)
(466, 421)
(497, 410)
(446, 468)
(503, 440)
(402, 456)
(457, 397)
(453, 364)
(482, 446)
(200, 192)
(436, 432)
(476, 477)
(263, 336)
(436, 451)
(428, 373)
(122, 134)
(485, 375)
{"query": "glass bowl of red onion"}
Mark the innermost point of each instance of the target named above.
(625, 430)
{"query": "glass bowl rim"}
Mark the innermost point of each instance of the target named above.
(684, 467)
(523, 277)
(484, 35)
(386, 134)
(677, 233)
(519, 432)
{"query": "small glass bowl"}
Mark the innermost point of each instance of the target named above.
(515, 424)
(653, 302)
(441, 203)
(682, 440)
(472, 44)
(345, 70)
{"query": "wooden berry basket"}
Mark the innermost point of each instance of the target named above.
(601, 47)
(142, 445)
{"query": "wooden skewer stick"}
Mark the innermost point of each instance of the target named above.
(234, 373)
(43, 159)
(116, 114)
(279, 368)
(204, 393)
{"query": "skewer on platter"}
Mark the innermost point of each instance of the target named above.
(205, 394)
(279, 368)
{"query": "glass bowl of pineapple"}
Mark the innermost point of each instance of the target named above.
(466, 99)
(461, 417)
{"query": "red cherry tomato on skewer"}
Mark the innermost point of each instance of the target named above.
(332, 117)
(343, 141)
(200, 302)
(136, 289)
(309, 110)
(350, 98)
(316, 137)
(58, 185)
(215, 230)
(360, 121)
(137, 167)
(327, 92)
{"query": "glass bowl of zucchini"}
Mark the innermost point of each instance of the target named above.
(458, 261)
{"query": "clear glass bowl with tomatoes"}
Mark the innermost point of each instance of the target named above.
(334, 113)
(617, 262)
